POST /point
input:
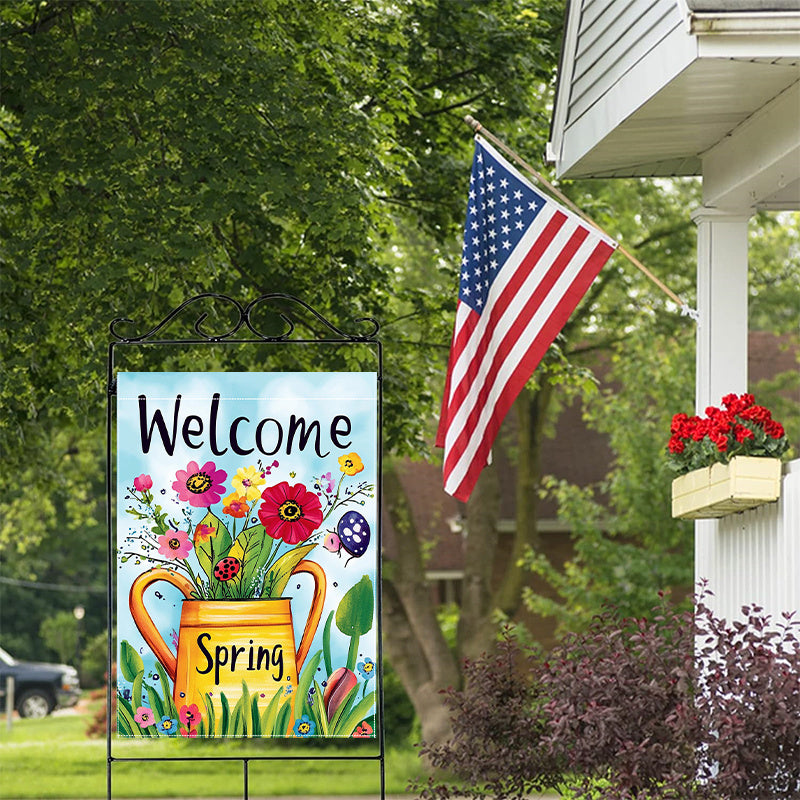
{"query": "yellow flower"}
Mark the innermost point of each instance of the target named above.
(350, 464)
(247, 480)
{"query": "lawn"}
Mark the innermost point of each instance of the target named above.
(52, 758)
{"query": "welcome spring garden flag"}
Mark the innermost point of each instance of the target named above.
(247, 554)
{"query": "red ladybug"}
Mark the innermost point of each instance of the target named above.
(227, 568)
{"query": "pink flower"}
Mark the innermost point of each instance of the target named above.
(290, 513)
(331, 482)
(174, 544)
(145, 717)
(200, 486)
(143, 483)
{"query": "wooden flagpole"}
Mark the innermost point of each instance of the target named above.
(539, 178)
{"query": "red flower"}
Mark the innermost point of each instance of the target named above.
(757, 414)
(741, 433)
(290, 512)
(364, 730)
(189, 715)
(774, 429)
(676, 445)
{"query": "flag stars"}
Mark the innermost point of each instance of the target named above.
(500, 208)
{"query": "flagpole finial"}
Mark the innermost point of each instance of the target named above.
(473, 123)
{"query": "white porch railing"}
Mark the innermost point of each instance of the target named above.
(754, 557)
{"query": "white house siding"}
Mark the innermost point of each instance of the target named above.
(613, 35)
(754, 557)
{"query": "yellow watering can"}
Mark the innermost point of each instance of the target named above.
(224, 642)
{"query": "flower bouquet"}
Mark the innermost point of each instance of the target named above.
(275, 524)
(727, 460)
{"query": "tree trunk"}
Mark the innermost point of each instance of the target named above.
(414, 642)
(476, 626)
(531, 410)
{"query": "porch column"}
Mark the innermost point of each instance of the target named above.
(722, 303)
(721, 359)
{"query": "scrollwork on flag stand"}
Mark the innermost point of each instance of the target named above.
(242, 328)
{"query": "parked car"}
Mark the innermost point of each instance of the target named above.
(38, 688)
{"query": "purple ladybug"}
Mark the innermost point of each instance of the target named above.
(352, 536)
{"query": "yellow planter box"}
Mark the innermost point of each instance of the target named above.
(722, 489)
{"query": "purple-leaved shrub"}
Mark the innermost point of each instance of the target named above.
(677, 706)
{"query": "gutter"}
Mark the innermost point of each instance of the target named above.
(765, 22)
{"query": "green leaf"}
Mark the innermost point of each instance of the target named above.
(326, 644)
(211, 714)
(344, 709)
(136, 692)
(252, 549)
(226, 714)
(270, 714)
(125, 719)
(169, 703)
(156, 704)
(210, 549)
(348, 725)
(304, 683)
(280, 572)
(130, 662)
(355, 611)
(282, 721)
(255, 717)
(317, 710)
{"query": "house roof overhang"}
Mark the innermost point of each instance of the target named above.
(719, 96)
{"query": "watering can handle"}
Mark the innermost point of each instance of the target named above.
(144, 621)
(314, 616)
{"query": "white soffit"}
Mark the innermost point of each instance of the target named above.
(679, 101)
(758, 164)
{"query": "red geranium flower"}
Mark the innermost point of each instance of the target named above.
(290, 513)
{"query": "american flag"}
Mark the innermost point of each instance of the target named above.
(526, 263)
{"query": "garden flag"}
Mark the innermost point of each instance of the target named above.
(247, 553)
(526, 263)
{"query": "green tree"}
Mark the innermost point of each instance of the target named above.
(157, 150)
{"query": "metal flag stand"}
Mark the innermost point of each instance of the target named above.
(242, 330)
